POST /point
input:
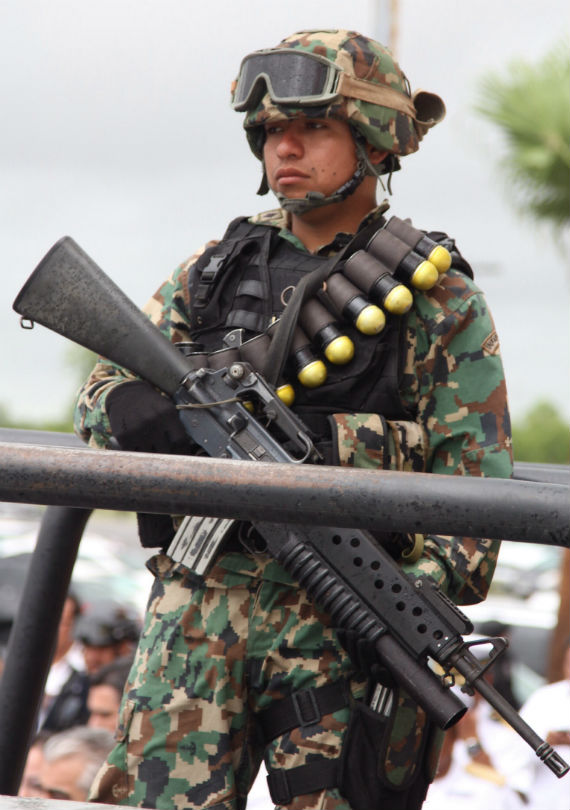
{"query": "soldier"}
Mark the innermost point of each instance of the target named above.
(238, 665)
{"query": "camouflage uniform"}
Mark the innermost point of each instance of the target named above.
(218, 651)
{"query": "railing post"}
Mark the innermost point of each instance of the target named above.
(33, 636)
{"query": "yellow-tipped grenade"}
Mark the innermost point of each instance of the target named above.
(254, 352)
(354, 306)
(286, 393)
(408, 265)
(320, 326)
(438, 255)
(311, 372)
(376, 281)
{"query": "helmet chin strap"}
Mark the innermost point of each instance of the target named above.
(315, 199)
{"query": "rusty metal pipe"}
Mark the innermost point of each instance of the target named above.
(391, 501)
(522, 470)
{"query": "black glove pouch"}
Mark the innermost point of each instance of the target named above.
(363, 750)
(363, 780)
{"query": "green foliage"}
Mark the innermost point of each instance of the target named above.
(80, 362)
(542, 436)
(531, 105)
(63, 425)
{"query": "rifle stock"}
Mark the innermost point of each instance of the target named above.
(70, 294)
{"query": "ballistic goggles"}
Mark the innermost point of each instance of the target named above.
(302, 79)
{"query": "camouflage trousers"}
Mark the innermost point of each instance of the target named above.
(212, 654)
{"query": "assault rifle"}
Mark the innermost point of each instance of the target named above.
(233, 413)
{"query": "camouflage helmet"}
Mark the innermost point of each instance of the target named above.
(372, 95)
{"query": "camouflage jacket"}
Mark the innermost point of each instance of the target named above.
(453, 381)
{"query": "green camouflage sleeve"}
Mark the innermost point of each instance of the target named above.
(168, 309)
(454, 384)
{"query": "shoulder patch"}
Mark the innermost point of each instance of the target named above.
(491, 344)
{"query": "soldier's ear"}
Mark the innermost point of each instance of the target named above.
(375, 155)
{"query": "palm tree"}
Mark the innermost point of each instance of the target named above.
(531, 105)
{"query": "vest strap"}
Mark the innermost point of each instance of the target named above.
(251, 287)
(302, 709)
(242, 319)
(319, 774)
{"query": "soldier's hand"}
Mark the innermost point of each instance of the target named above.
(144, 420)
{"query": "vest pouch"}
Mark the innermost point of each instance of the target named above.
(240, 283)
(363, 780)
(362, 752)
(214, 283)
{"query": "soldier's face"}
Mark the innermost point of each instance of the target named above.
(308, 154)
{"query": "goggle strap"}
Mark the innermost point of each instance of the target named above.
(350, 86)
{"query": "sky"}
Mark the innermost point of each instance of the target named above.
(116, 130)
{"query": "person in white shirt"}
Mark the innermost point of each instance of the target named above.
(473, 770)
(547, 711)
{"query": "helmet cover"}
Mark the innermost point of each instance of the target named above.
(398, 131)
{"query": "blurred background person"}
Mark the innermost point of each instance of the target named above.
(106, 631)
(547, 711)
(30, 785)
(71, 760)
(474, 766)
(65, 696)
(105, 693)
(64, 699)
(471, 771)
(90, 636)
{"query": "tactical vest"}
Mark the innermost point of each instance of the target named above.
(244, 281)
